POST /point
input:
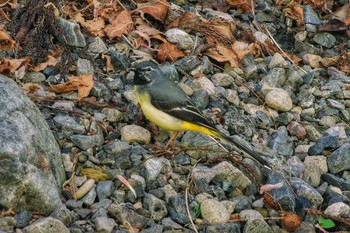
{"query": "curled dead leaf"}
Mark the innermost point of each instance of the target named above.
(82, 83)
(122, 24)
(158, 9)
(291, 221)
(6, 42)
(168, 51)
(51, 61)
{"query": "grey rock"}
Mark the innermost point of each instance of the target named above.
(116, 83)
(85, 142)
(257, 225)
(68, 123)
(23, 218)
(214, 212)
(339, 160)
(188, 63)
(317, 161)
(336, 181)
(82, 212)
(100, 90)
(31, 165)
(177, 208)
(73, 204)
(277, 60)
(96, 47)
(181, 38)
(100, 212)
(135, 133)
(283, 195)
(84, 66)
(312, 175)
(305, 227)
(90, 197)
(338, 209)
(222, 173)
(311, 16)
(231, 227)
(156, 228)
(281, 142)
(222, 80)
(325, 39)
(296, 166)
(104, 225)
(294, 79)
(170, 71)
(332, 195)
(112, 115)
(312, 133)
(275, 78)
(72, 33)
(120, 61)
(169, 224)
(47, 224)
(337, 131)
(304, 190)
(125, 213)
(304, 47)
(306, 98)
(155, 206)
(34, 77)
(325, 142)
(153, 167)
(279, 100)
(63, 214)
(104, 189)
(335, 104)
(7, 224)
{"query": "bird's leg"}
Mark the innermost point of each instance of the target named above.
(171, 141)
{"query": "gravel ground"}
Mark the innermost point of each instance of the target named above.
(295, 114)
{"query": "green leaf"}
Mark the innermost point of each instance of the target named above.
(326, 223)
(197, 210)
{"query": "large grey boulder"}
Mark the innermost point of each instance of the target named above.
(31, 169)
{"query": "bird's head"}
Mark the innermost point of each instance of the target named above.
(145, 72)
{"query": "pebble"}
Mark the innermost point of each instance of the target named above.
(46, 224)
(279, 100)
(325, 39)
(112, 115)
(84, 67)
(203, 84)
(34, 77)
(257, 225)
(214, 212)
(104, 224)
(325, 142)
(317, 161)
(339, 160)
(338, 209)
(181, 38)
(222, 80)
(156, 207)
(313, 60)
(277, 60)
(72, 33)
(135, 133)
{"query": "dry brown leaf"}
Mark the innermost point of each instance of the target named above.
(223, 54)
(245, 5)
(145, 28)
(51, 61)
(343, 14)
(30, 88)
(6, 42)
(109, 66)
(344, 63)
(168, 51)
(122, 24)
(82, 83)
(157, 10)
(296, 12)
(94, 27)
(12, 64)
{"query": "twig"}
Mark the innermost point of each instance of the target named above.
(188, 211)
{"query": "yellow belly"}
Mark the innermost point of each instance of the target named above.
(162, 119)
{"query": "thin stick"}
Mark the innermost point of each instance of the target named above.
(188, 211)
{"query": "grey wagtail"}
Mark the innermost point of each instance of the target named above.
(164, 103)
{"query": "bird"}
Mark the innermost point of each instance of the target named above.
(165, 104)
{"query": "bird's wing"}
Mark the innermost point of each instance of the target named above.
(176, 103)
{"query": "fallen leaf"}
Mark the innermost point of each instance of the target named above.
(245, 5)
(6, 42)
(296, 12)
(109, 67)
(122, 24)
(51, 61)
(82, 83)
(168, 51)
(343, 14)
(157, 10)
(222, 53)
(12, 65)
(94, 27)
(95, 173)
(30, 88)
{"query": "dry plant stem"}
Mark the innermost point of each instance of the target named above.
(188, 211)
(171, 141)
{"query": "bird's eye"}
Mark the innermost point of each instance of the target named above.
(148, 69)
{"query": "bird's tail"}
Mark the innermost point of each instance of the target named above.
(243, 148)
